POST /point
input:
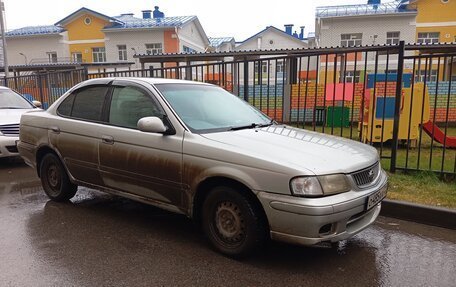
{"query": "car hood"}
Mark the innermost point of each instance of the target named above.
(11, 116)
(300, 149)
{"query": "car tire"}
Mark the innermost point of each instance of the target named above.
(54, 179)
(232, 223)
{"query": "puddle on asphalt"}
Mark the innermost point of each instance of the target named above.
(61, 238)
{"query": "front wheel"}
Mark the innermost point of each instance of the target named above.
(232, 223)
(54, 179)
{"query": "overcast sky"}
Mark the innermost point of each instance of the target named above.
(238, 18)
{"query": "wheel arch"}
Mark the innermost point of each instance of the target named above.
(204, 188)
(41, 152)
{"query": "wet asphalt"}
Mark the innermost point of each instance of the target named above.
(102, 240)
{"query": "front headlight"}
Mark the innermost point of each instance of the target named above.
(313, 186)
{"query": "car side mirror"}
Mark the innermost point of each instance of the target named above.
(37, 104)
(152, 125)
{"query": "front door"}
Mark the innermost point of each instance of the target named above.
(141, 163)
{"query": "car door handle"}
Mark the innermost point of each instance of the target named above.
(107, 139)
(55, 129)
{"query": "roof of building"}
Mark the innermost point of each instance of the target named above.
(395, 7)
(35, 30)
(83, 10)
(128, 21)
(273, 29)
(124, 21)
(216, 42)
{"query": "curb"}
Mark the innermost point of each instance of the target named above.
(436, 216)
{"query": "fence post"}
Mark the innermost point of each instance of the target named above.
(290, 74)
(397, 105)
(188, 71)
(151, 71)
(246, 80)
(85, 73)
(40, 88)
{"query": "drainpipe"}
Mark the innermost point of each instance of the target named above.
(178, 39)
(2, 30)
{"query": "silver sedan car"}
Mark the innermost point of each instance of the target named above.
(195, 149)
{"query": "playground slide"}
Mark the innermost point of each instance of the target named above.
(439, 135)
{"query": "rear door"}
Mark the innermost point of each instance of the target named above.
(76, 133)
(144, 164)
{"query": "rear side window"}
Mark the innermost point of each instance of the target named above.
(85, 104)
(66, 106)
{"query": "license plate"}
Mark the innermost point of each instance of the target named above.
(376, 197)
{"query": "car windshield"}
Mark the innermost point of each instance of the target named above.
(211, 109)
(12, 100)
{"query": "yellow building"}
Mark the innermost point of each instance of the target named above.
(435, 21)
(86, 41)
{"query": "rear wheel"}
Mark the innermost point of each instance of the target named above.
(232, 223)
(54, 179)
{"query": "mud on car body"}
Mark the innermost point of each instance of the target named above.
(195, 149)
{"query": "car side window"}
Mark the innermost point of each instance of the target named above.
(66, 106)
(129, 104)
(88, 103)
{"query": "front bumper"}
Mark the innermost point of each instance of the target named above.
(310, 221)
(8, 146)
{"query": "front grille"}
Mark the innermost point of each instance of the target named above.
(10, 130)
(366, 176)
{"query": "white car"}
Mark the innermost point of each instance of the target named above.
(12, 106)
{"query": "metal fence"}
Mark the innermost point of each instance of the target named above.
(349, 92)
(46, 87)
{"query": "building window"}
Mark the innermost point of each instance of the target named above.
(351, 40)
(188, 49)
(428, 38)
(99, 54)
(87, 20)
(264, 67)
(352, 77)
(77, 57)
(431, 76)
(122, 52)
(52, 57)
(392, 38)
(279, 66)
(154, 48)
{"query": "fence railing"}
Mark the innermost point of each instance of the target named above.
(400, 99)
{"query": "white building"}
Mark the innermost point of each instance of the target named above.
(222, 44)
(367, 24)
(364, 24)
(272, 38)
(96, 40)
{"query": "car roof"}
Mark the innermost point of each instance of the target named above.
(152, 81)
(4, 88)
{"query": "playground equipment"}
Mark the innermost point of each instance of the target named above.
(378, 118)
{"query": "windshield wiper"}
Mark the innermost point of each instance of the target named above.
(17, 108)
(252, 126)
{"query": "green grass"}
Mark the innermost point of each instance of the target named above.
(423, 188)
